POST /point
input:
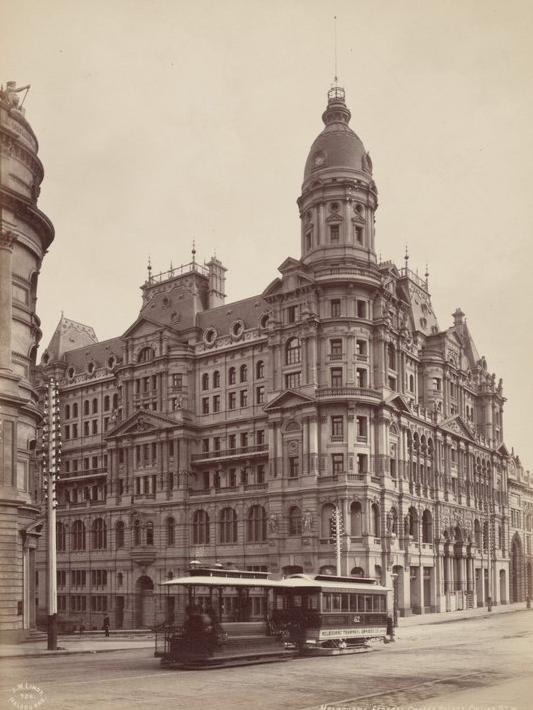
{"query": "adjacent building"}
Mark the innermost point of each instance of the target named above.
(230, 432)
(25, 235)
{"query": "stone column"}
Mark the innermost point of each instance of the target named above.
(313, 446)
(7, 240)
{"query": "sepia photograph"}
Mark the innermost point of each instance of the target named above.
(265, 324)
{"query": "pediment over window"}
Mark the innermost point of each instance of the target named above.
(398, 402)
(141, 422)
(458, 426)
(288, 399)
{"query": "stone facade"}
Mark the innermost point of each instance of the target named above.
(25, 235)
(230, 432)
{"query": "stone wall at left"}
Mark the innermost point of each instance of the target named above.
(25, 236)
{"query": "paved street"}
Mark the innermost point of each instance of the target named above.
(478, 663)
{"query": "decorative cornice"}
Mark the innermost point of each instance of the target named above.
(7, 239)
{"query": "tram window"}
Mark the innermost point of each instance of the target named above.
(336, 602)
(345, 601)
(312, 601)
(297, 600)
(360, 602)
(326, 602)
(368, 603)
(381, 601)
(280, 601)
(353, 602)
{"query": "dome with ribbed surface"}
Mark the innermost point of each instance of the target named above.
(337, 146)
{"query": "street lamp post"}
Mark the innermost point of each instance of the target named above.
(394, 576)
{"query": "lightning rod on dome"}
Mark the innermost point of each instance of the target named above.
(427, 275)
(336, 79)
(149, 267)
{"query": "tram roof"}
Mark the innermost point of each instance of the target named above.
(215, 581)
(299, 581)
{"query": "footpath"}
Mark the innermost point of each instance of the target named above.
(96, 642)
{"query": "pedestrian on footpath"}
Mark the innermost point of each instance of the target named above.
(106, 626)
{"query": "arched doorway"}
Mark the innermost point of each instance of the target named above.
(516, 569)
(144, 612)
(503, 590)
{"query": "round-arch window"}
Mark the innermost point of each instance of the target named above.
(334, 206)
(210, 335)
(264, 320)
(70, 372)
(91, 368)
(237, 329)
(111, 362)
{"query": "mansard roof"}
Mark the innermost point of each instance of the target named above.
(249, 310)
(99, 353)
(69, 335)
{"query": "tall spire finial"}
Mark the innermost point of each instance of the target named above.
(406, 257)
(193, 252)
(336, 79)
(149, 268)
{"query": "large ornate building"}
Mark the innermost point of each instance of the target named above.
(230, 432)
(25, 235)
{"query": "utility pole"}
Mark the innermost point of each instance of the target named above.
(336, 526)
(51, 462)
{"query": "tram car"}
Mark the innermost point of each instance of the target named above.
(329, 615)
(225, 621)
(236, 617)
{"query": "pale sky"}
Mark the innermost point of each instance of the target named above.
(164, 121)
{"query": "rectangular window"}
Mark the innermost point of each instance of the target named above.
(436, 383)
(232, 441)
(392, 383)
(362, 463)
(361, 308)
(337, 464)
(260, 476)
(216, 403)
(216, 443)
(358, 234)
(177, 381)
(205, 405)
(335, 349)
(336, 376)
(362, 428)
(244, 398)
(335, 308)
(292, 380)
(244, 439)
(291, 314)
(337, 428)
(308, 240)
(260, 437)
(67, 431)
(361, 377)
(232, 400)
(74, 431)
(361, 349)
(294, 466)
(205, 446)
(86, 430)
(334, 234)
(260, 395)
(232, 478)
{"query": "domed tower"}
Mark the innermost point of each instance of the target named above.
(25, 235)
(339, 196)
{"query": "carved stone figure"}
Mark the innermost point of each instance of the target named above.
(307, 522)
(273, 523)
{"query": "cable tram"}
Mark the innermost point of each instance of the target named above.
(236, 617)
(328, 615)
(226, 621)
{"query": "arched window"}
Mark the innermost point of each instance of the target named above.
(119, 534)
(356, 519)
(200, 528)
(232, 376)
(137, 532)
(146, 354)
(295, 521)
(61, 537)
(477, 533)
(149, 533)
(228, 525)
(256, 524)
(115, 401)
(375, 526)
(205, 381)
(67, 411)
(260, 369)
(391, 357)
(327, 569)
(99, 534)
(95, 406)
(216, 379)
(427, 527)
(86, 407)
(78, 535)
(411, 383)
(171, 531)
(244, 373)
(357, 572)
(120, 579)
(325, 520)
(411, 523)
(75, 409)
(293, 351)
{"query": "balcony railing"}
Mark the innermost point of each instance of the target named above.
(243, 451)
(327, 392)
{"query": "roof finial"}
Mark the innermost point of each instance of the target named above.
(427, 275)
(335, 48)
(406, 257)
(171, 267)
(193, 252)
(149, 268)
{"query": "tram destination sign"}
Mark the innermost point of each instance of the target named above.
(350, 633)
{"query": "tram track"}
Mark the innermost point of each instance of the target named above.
(414, 694)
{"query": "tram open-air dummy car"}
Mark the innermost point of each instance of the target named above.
(241, 616)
